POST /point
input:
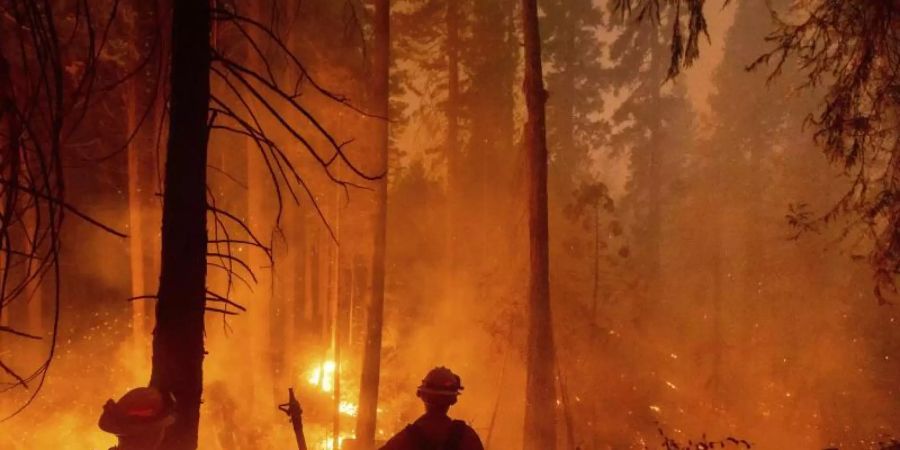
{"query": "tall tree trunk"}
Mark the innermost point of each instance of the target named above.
(452, 148)
(297, 284)
(284, 274)
(261, 203)
(315, 282)
(566, 157)
(655, 177)
(336, 321)
(595, 293)
(717, 282)
(754, 234)
(178, 335)
(540, 393)
(371, 369)
(135, 217)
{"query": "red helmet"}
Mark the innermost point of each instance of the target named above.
(139, 411)
(441, 381)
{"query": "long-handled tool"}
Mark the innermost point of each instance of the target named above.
(295, 413)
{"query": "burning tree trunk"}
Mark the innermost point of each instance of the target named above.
(178, 335)
(540, 393)
(371, 370)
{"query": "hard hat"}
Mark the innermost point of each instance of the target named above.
(441, 381)
(139, 411)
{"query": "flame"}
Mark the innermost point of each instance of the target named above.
(348, 408)
(322, 375)
(328, 443)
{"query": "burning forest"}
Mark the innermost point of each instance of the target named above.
(449, 224)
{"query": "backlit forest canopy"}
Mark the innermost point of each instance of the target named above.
(624, 223)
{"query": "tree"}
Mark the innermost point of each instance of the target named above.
(850, 49)
(576, 78)
(645, 120)
(453, 146)
(540, 394)
(42, 103)
(590, 204)
(143, 110)
(178, 348)
(381, 105)
(741, 179)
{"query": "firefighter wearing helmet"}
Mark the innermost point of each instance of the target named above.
(435, 430)
(139, 419)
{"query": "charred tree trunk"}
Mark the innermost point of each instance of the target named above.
(178, 336)
(371, 369)
(540, 392)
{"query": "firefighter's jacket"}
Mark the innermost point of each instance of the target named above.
(435, 432)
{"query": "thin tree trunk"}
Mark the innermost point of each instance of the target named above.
(336, 323)
(261, 203)
(284, 272)
(178, 336)
(135, 220)
(717, 276)
(298, 287)
(655, 177)
(371, 369)
(595, 295)
(654, 173)
(453, 148)
(453, 83)
(315, 281)
(540, 394)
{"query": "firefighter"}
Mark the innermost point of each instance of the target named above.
(139, 419)
(435, 430)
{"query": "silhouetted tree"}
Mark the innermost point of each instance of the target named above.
(49, 62)
(371, 370)
(540, 392)
(256, 92)
(850, 50)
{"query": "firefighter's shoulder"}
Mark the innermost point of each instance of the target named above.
(469, 439)
(400, 441)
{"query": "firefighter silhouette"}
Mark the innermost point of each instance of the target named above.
(139, 419)
(435, 430)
